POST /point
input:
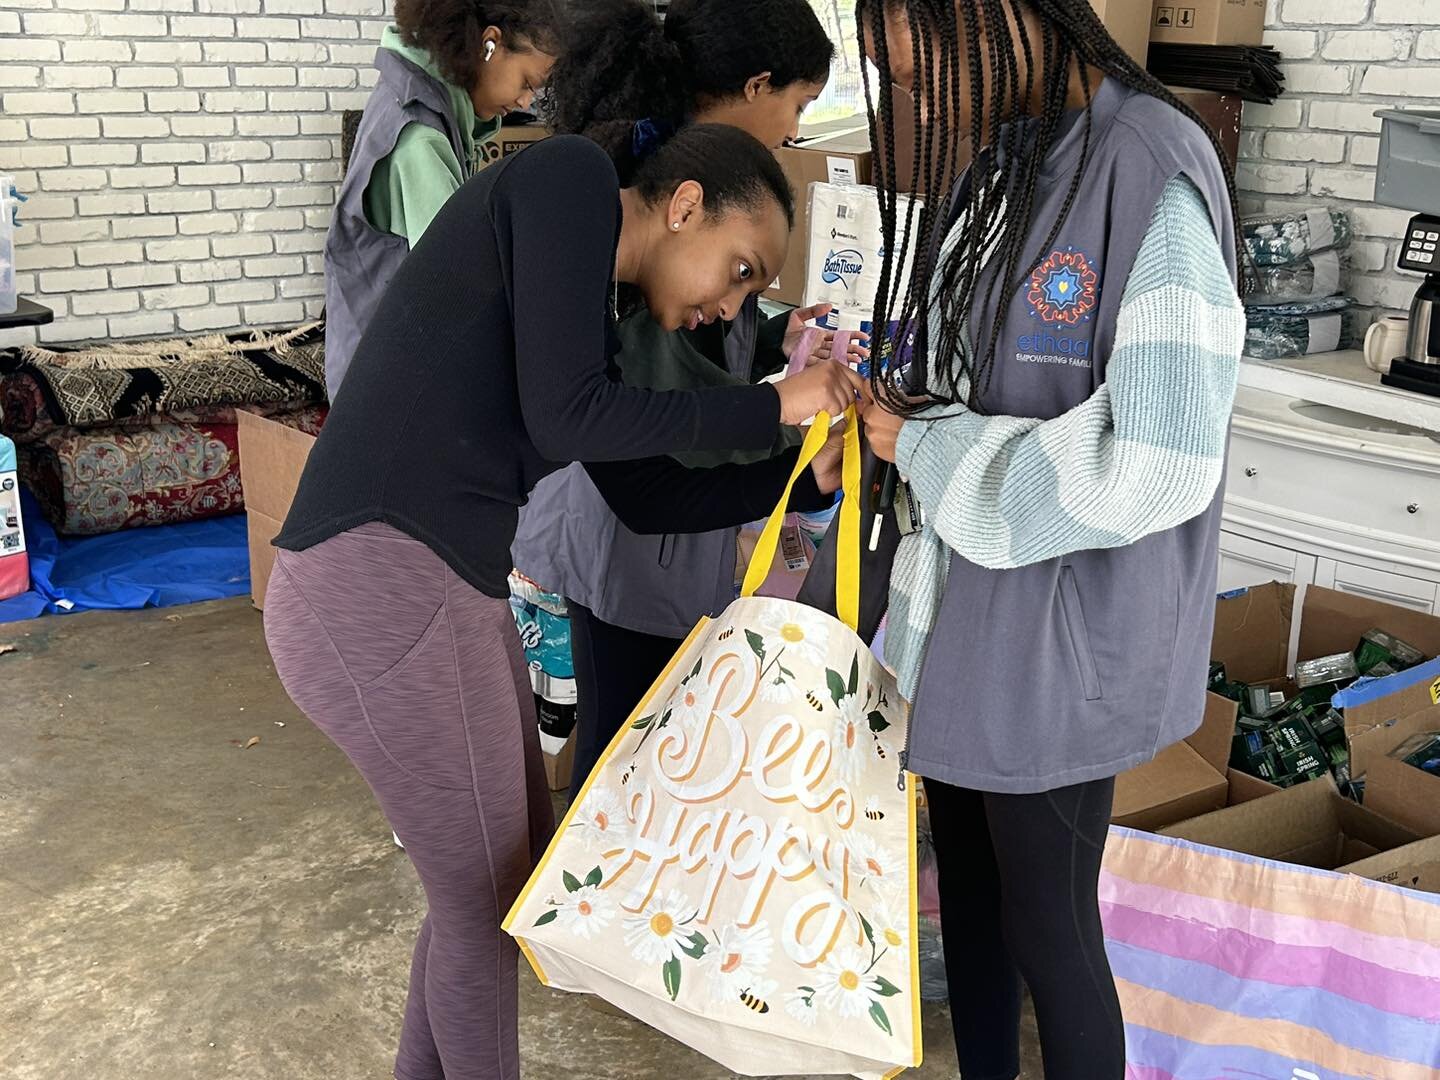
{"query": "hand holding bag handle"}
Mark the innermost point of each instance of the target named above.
(847, 539)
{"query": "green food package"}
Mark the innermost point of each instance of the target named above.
(1378, 647)
(1326, 670)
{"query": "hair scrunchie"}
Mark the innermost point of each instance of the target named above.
(648, 135)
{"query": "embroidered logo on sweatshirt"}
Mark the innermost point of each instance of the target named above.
(1063, 288)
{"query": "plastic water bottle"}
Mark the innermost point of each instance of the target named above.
(14, 563)
(8, 298)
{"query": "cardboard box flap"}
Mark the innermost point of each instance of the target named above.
(1310, 824)
(272, 457)
(1413, 866)
(1333, 622)
(1252, 632)
(1372, 702)
(1176, 785)
(1400, 792)
(1212, 740)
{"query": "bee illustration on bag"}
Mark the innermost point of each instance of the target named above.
(726, 634)
(815, 702)
(753, 1003)
(625, 776)
(872, 808)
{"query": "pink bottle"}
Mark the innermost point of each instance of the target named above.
(14, 563)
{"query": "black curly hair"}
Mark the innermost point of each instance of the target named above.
(451, 30)
(627, 66)
(733, 167)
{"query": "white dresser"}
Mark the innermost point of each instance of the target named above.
(1333, 479)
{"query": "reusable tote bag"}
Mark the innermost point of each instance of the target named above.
(739, 869)
(1233, 966)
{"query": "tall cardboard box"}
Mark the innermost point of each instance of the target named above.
(836, 157)
(1210, 22)
(272, 457)
(511, 140)
(1221, 113)
(1401, 792)
(1129, 24)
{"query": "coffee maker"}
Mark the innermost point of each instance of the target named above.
(1408, 177)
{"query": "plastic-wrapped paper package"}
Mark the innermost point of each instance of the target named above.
(1278, 239)
(1309, 278)
(1273, 336)
(1262, 312)
(933, 985)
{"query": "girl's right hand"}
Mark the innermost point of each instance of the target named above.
(827, 387)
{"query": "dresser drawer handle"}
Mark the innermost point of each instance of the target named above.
(1251, 470)
(1413, 508)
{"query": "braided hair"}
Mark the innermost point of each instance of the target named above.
(985, 261)
(626, 66)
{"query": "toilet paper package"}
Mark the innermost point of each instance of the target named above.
(846, 253)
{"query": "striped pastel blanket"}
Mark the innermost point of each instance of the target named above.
(1236, 968)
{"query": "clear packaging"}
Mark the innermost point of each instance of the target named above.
(1278, 239)
(1270, 335)
(1310, 278)
(8, 297)
(1326, 669)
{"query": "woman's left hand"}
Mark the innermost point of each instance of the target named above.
(882, 429)
(827, 463)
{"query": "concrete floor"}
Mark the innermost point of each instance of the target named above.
(178, 907)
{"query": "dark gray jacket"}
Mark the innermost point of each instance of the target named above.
(360, 260)
(570, 542)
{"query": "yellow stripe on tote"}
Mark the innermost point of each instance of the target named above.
(1352, 902)
(912, 814)
(589, 780)
(1209, 1026)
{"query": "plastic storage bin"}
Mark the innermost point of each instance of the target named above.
(1407, 175)
(14, 563)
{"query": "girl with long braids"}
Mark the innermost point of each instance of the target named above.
(1062, 422)
(749, 64)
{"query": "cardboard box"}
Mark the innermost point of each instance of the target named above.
(832, 157)
(559, 766)
(512, 140)
(272, 457)
(1253, 629)
(1401, 792)
(1312, 824)
(1221, 113)
(1129, 24)
(1208, 22)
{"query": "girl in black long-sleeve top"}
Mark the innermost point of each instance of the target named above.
(485, 367)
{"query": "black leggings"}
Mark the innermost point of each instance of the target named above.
(613, 669)
(1018, 882)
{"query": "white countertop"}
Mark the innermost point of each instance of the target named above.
(1342, 380)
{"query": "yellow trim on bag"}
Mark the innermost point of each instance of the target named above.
(529, 955)
(847, 566)
(585, 788)
(912, 814)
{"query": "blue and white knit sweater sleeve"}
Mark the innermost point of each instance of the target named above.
(1143, 454)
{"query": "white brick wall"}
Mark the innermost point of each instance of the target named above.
(1343, 60)
(181, 156)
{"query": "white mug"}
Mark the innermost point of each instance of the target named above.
(1385, 341)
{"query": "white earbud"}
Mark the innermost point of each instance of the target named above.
(489, 50)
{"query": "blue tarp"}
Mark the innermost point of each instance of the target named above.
(160, 566)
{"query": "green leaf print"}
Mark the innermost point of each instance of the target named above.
(757, 644)
(549, 917)
(671, 971)
(836, 682)
(878, 723)
(594, 877)
(885, 987)
(697, 947)
(855, 674)
(572, 883)
(643, 723)
(881, 1020)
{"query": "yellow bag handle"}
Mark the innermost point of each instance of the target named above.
(847, 556)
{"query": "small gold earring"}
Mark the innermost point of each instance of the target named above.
(675, 225)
